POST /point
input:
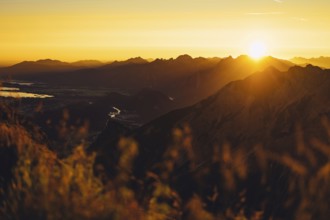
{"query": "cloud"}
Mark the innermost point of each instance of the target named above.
(278, 1)
(265, 13)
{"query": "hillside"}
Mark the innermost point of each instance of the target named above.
(258, 148)
(261, 143)
(265, 108)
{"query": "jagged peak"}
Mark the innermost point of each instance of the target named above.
(308, 68)
(184, 57)
(49, 61)
(243, 57)
(137, 60)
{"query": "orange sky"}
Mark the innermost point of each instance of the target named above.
(107, 29)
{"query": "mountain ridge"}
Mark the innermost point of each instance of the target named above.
(321, 61)
(265, 108)
(186, 79)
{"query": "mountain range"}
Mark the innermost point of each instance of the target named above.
(241, 134)
(185, 79)
(323, 62)
(266, 108)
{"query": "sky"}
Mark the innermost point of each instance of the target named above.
(73, 30)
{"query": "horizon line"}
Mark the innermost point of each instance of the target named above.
(150, 59)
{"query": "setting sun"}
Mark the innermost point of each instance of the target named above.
(257, 49)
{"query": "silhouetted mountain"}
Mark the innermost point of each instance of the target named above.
(135, 60)
(87, 63)
(34, 67)
(187, 80)
(184, 58)
(265, 108)
(323, 62)
(202, 84)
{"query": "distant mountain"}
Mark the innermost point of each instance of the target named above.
(135, 60)
(28, 68)
(88, 63)
(323, 62)
(265, 108)
(34, 67)
(186, 79)
(201, 85)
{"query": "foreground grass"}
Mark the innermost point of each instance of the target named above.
(265, 185)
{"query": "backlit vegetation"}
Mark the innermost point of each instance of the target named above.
(233, 184)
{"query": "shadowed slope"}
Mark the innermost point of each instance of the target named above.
(264, 108)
